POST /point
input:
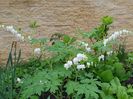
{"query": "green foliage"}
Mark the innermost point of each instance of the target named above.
(86, 88)
(130, 58)
(43, 81)
(8, 74)
(122, 55)
(38, 41)
(98, 79)
(33, 24)
(101, 31)
(29, 66)
(107, 20)
(115, 90)
(119, 70)
(107, 75)
(68, 40)
(50, 76)
(62, 51)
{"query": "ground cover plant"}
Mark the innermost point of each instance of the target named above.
(63, 67)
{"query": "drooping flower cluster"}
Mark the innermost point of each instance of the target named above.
(101, 58)
(11, 29)
(115, 35)
(76, 61)
(20, 37)
(87, 48)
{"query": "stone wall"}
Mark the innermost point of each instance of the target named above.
(62, 16)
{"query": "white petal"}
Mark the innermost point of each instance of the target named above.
(75, 60)
(81, 67)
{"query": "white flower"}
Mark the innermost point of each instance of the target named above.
(9, 28)
(75, 60)
(81, 67)
(126, 31)
(105, 42)
(2, 26)
(91, 63)
(101, 58)
(115, 35)
(22, 38)
(19, 80)
(120, 32)
(37, 51)
(88, 49)
(109, 53)
(29, 38)
(14, 32)
(19, 37)
(68, 64)
(81, 56)
(88, 64)
(84, 44)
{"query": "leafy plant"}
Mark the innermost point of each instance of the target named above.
(67, 69)
(83, 88)
(62, 51)
(100, 32)
(44, 81)
(114, 90)
(8, 74)
(33, 24)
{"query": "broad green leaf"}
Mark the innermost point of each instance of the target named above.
(107, 75)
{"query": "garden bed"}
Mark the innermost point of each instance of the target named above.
(63, 67)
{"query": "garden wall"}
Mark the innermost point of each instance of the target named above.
(62, 16)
